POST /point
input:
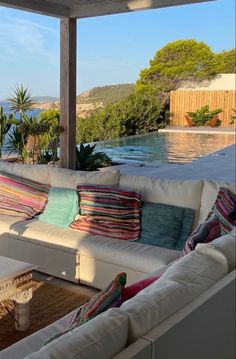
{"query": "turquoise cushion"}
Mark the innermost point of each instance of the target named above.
(165, 225)
(61, 208)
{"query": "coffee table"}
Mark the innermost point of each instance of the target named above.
(16, 283)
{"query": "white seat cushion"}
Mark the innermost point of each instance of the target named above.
(127, 254)
(48, 235)
(102, 337)
(180, 283)
(61, 177)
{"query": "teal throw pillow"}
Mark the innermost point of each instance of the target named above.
(61, 208)
(165, 225)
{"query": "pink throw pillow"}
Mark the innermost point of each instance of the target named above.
(135, 288)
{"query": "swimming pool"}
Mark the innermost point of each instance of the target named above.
(165, 147)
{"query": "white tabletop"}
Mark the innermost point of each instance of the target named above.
(10, 268)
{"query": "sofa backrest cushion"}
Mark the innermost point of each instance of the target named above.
(177, 193)
(209, 194)
(61, 177)
(227, 246)
(165, 225)
(62, 207)
(180, 283)
(103, 337)
(39, 173)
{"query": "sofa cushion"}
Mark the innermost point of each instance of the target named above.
(127, 254)
(47, 235)
(177, 193)
(103, 337)
(32, 172)
(227, 246)
(180, 283)
(109, 211)
(62, 207)
(225, 204)
(165, 225)
(61, 177)
(204, 233)
(20, 197)
(209, 194)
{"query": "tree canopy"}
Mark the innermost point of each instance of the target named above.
(183, 61)
(226, 62)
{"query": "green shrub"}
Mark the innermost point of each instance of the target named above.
(89, 160)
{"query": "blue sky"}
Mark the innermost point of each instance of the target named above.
(111, 49)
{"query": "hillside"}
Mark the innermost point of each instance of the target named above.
(93, 99)
(105, 94)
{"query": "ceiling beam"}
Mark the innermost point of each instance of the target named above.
(109, 7)
(38, 6)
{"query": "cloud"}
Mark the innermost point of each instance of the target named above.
(26, 39)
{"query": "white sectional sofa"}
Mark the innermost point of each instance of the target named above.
(94, 260)
(188, 313)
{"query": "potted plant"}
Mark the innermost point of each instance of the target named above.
(204, 117)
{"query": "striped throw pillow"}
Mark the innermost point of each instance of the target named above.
(109, 211)
(204, 233)
(225, 205)
(20, 197)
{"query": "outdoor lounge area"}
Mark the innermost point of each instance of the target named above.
(143, 258)
(188, 286)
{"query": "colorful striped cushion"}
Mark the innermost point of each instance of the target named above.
(20, 197)
(204, 233)
(224, 206)
(105, 299)
(109, 211)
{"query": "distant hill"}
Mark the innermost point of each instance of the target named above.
(93, 99)
(105, 94)
(43, 99)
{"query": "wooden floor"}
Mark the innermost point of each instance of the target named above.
(83, 289)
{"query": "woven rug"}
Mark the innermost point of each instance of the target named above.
(48, 304)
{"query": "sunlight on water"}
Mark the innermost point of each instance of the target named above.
(174, 147)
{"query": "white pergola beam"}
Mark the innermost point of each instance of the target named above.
(109, 7)
(91, 8)
(38, 6)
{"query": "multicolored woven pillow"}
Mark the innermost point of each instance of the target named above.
(224, 206)
(107, 298)
(109, 211)
(20, 197)
(204, 233)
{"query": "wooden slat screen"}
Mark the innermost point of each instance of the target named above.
(182, 101)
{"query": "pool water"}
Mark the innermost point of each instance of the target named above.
(165, 147)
